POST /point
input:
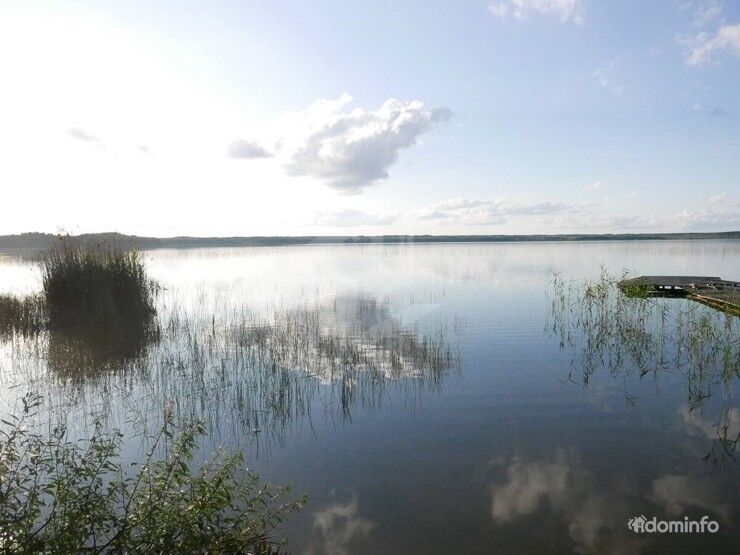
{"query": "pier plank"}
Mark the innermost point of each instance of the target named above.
(710, 290)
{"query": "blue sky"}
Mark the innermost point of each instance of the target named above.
(246, 118)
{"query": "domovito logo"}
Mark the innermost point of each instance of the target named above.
(642, 524)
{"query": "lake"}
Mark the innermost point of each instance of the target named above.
(430, 398)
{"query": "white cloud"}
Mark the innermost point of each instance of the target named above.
(82, 135)
(705, 12)
(607, 78)
(460, 211)
(718, 199)
(705, 219)
(486, 212)
(565, 10)
(608, 222)
(705, 46)
(699, 220)
(352, 218)
(246, 150)
(598, 185)
(353, 149)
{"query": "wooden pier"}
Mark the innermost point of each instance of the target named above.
(709, 290)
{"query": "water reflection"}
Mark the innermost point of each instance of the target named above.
(594, 519)
(76, 348)
(728, 425)
(77, 355)
(338, 527)
(595, 512)
(352, 338)
(22, 316)
(245, 371)
(273, 369)
(418, 433)
(676, 494)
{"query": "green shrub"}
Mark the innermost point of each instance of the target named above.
(57, 496)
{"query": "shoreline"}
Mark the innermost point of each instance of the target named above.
(33, 241)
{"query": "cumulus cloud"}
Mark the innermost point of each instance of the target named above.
(565, 10)
(352, 149)
(706, 45)
(82, 135)
(486, 212)
(352, 218)
(246, 150)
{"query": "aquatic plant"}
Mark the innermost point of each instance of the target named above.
(22, 315)
(623, 332)
(96, 284)
(59, 496)
(255, 374)
(96, 309)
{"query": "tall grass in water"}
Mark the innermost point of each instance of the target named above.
(96, 308)
(252, 375)
(100, 284)
(25, 316)
(100, 306)
(624, 332)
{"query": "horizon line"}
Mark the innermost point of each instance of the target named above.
(34, 240)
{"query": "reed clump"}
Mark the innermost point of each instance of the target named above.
(98, 284)
(96, 308)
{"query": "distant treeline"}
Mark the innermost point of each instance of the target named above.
(45, 240)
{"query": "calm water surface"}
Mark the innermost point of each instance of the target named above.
(494, 446)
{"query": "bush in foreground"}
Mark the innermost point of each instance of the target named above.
(57, 496)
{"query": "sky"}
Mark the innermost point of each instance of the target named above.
(379, 117)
